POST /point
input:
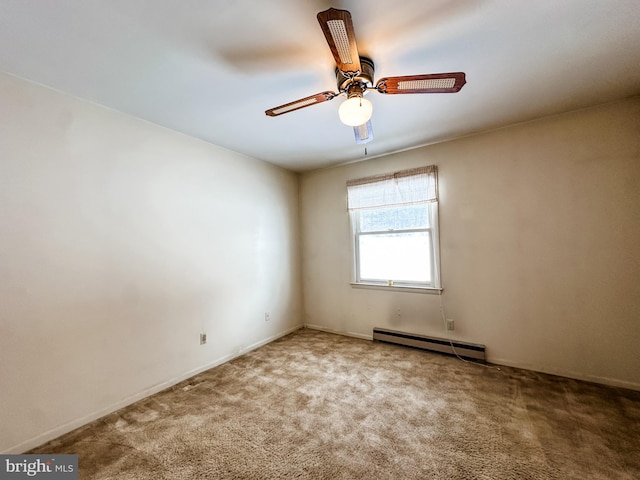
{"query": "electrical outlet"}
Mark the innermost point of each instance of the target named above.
(203, 338)
(267, 316)
(450, 325)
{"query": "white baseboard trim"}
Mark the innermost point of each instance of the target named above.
(339, 332)
(268, 340)
(611, 382)
(69, 426)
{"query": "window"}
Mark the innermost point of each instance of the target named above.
(394, 221)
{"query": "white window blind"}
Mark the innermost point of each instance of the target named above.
(394, 220)
(406, 187)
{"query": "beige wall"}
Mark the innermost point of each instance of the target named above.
(120, 242)
(540, 240)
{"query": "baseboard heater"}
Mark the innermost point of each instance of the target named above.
(471, 351)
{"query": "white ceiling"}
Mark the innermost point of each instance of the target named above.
(211, 68)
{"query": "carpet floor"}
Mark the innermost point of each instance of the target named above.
(313, 405)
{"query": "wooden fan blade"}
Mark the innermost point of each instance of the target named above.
(433, 83)
(363, 133)
(338, 30)
(303, 102)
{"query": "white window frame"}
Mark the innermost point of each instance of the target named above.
(432, 230)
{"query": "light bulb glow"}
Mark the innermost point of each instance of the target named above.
(355, 111)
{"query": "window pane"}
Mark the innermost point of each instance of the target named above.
(394, 218)
(396, 256)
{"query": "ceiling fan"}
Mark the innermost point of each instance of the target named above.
(354, 75)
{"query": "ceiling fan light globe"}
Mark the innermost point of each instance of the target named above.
(355, 111)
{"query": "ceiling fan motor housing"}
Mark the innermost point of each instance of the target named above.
(364, 78)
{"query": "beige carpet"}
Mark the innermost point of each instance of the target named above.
(314, 405)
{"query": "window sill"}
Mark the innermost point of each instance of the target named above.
(397, 288)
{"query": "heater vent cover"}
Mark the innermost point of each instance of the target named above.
(472, 351)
